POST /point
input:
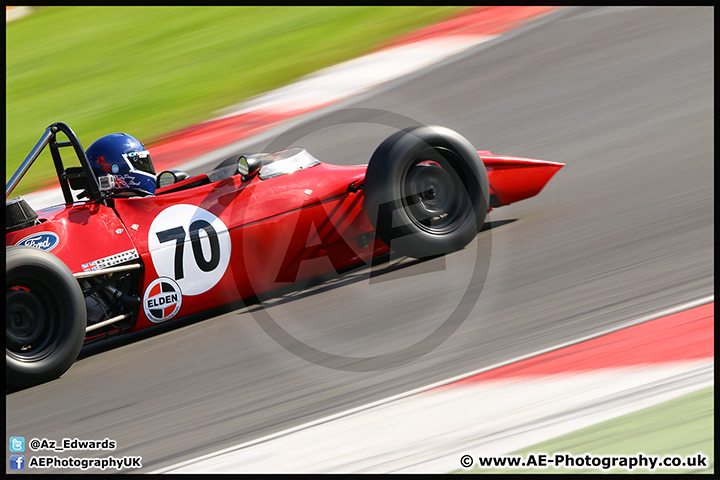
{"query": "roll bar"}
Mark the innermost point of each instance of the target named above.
(49, 137)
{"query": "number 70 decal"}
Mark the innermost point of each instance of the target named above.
(196, 267)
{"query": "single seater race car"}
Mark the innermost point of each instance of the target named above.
(103, 264)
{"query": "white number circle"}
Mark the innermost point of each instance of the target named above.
(191, 246)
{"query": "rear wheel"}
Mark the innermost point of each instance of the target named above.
(45, 317)
(426, 191)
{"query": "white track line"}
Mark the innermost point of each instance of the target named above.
(429, 432)
(13, 13)
(330, 418)
(341, 81)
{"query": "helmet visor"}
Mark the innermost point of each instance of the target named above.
(142, 161)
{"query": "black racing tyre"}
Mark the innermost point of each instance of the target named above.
(426, 191)
(45, 317)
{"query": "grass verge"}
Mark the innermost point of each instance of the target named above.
(680, 427)
(149, 71)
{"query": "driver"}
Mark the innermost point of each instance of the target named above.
(127, 160)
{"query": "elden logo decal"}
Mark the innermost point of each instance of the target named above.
(42, 240)
(162, 300)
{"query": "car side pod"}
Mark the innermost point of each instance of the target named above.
(516, 178)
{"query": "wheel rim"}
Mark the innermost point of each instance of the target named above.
(34, 320)
(434, 196)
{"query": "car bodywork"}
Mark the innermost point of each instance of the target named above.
(218, 237)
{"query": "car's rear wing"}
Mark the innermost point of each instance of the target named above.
(516, 178)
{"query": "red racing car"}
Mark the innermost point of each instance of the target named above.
(116, 257)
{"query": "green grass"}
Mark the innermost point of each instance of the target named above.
(683, 426)
(149, 71)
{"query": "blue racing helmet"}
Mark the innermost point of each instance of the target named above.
(124, 157)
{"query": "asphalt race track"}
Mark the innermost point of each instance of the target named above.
(623, 96)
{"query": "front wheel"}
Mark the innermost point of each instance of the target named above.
(45, 317)
(426, 191)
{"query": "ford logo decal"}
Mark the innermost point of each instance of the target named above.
(42, 240)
